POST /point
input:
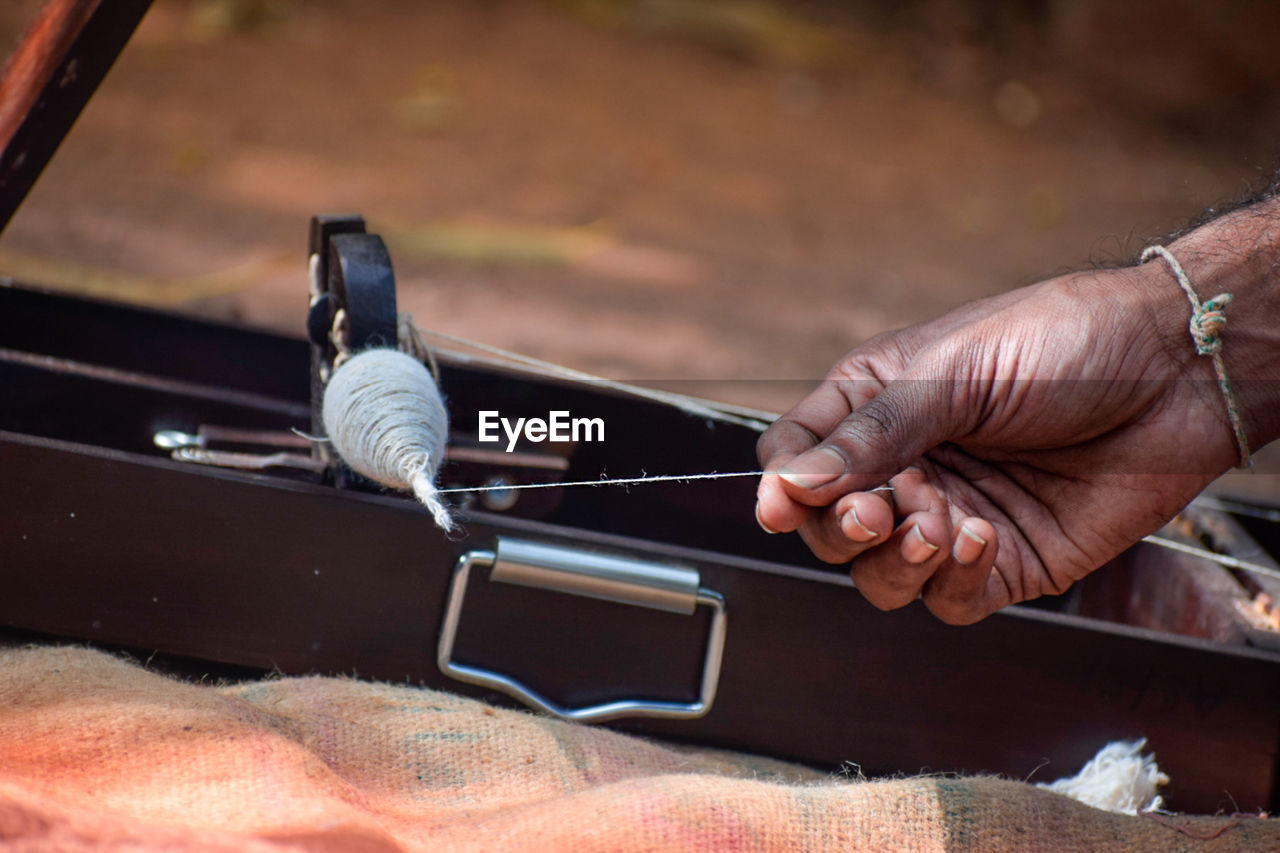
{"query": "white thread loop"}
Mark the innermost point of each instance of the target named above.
(385, 416)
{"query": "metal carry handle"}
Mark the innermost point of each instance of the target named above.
(612, 578)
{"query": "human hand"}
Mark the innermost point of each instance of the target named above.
(1027, 438)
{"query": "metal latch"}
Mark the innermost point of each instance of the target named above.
(612, 578)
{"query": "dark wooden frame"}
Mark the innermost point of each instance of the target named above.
(107, 540)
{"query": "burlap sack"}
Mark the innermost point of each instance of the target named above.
(99, 754)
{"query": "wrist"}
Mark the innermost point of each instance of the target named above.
(1238, 253)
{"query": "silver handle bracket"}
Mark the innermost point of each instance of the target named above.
(624, 580)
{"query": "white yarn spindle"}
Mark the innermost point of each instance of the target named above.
(385, 416)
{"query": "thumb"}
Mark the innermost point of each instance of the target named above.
(875, 442)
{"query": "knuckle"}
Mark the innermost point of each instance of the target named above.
(875, 423)
(765, 444)
(783, 437)
(964, 616)
(885, 591)
(823, 548)
(954, 611)
(883, 599)
(827, 554)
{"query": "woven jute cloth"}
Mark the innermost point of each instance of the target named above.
(97, 753)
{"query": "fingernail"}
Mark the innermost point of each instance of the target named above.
(915, 548)
(766, 528)
(969, 546)
(813, 469)
(860, 532)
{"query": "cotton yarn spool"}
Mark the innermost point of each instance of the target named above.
(385, 416)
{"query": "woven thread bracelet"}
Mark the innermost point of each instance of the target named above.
(1207, 322)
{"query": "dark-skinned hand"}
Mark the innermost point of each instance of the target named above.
(1027, 438)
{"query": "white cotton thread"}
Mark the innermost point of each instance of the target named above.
(621, 481)
(385, 416)
(604, 481)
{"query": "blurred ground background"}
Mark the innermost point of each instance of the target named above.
(658, 190)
